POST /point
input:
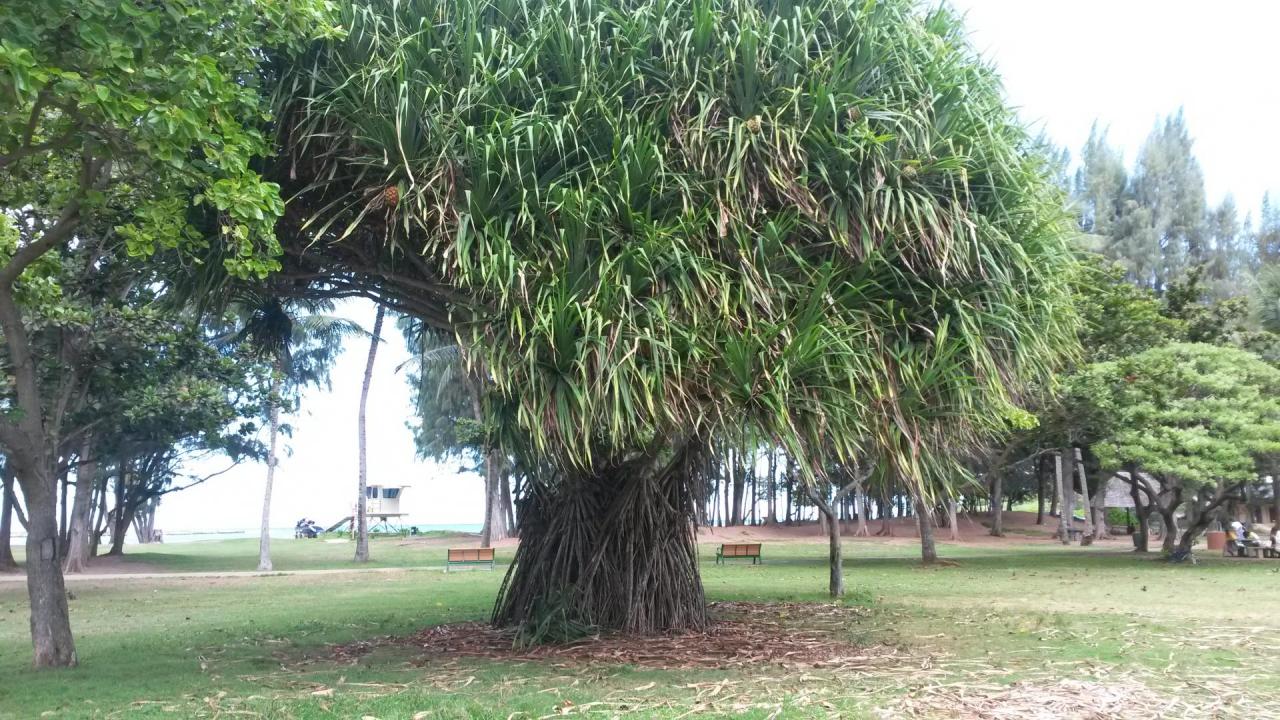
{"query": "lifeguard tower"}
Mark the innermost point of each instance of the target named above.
(381, 510)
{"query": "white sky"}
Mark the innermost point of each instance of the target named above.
(318, 480)
(1125, 63)
(1065, 64)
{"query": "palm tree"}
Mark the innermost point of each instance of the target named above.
(299, 341)
(447, 394)
(360, 521)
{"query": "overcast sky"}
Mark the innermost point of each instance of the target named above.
(1065, 63)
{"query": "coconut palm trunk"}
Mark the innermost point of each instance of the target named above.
(264, 536)
(361, 521)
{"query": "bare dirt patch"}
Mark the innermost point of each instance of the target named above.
(741, 634)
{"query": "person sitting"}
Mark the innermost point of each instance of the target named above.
(1235, 540)
(1251, 538)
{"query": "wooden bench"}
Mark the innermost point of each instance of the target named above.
(739, 550)
(469, 556)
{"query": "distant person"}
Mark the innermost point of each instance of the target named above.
(1235, 539)
(1251, 538)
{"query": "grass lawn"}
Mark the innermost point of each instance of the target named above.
(1050, 620)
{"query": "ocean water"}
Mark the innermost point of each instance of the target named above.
(186, 536)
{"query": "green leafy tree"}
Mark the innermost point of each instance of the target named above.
(149, 107)
(451, 423)
(655, 221)
(1191, 422)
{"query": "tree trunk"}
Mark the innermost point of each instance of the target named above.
(791, 486)
(924, 518)
(1063, 535)
(1086, 537)
(1169, 540)
(1040, 490)
(494, 518)
(78, 539)
(264, 534)
(362, 480)
(831, 526)
(739, 477)
(771, 504)
(1275, 500)
(120, 529)
(1101, 529)
(997, 504)
(1143, 513)
(51, 637)
(63, 482)
(100, 522)
(952, 520)
(508, 507)
(7, 561)
(860, 501)
(613, 549)
(1068, 505)
(118, 519)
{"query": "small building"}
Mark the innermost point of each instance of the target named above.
(383, 500)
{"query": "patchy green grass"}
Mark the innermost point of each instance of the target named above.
(241, 554)
(258, 646)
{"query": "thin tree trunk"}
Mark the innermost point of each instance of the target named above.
(1063, 535)
(952, 520)
(508, 506)
(362, 518)
(63, 482)
(997, 504)
(860, 500)
(1040, 490)
(1086, 537)
(928, 548)
(120, 516)
(771, 518)
(7, 561)
(100, 522)
(835, 552)
(791, 486)
(264, 535)
(1143, 511)
(82, 508)
(739, 477)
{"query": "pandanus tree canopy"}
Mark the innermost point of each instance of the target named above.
(654, 218)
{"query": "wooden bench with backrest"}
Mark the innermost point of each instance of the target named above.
(739, 550)
(469, 556)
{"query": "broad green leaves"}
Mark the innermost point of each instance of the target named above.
(1196, 413)
(160, 100)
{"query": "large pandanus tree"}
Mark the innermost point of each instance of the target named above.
(653, 220)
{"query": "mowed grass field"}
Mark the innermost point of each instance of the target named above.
(1032, 625)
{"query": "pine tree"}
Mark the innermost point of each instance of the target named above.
(1169, 182)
